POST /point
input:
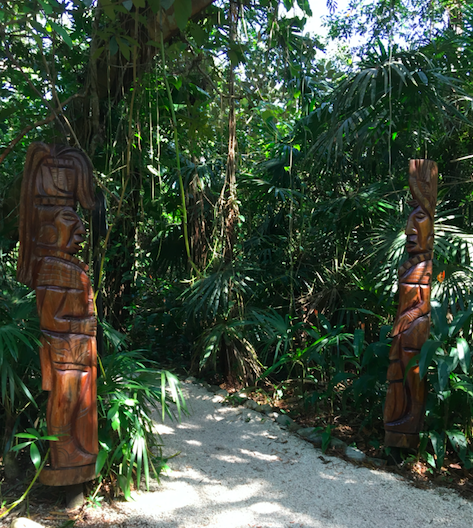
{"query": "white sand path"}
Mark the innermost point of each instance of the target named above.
(239, 469)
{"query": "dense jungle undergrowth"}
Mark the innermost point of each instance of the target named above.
(253, 179)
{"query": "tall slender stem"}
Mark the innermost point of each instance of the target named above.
(178, 162)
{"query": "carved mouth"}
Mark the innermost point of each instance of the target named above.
(77, 241)
(411, 245)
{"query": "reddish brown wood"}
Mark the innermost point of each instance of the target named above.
(51, 232)
(405, 400)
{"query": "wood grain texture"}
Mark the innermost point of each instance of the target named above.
(405, 400)
(51, 232)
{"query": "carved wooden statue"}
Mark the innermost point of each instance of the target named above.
(405, 399)
(51, 232)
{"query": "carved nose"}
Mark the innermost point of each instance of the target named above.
(410, 229)
(80, 229)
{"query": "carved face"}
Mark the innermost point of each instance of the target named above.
(61, 228)
(419, 231)
(70, 230)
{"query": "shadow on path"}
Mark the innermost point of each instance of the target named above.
(238, 469)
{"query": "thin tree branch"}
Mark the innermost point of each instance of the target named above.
(28, 80)
(214, 86)
(56, 96)
(28, 128)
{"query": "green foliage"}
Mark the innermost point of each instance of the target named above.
(38, 461)
(342, 369)
(321, 161)
(19, 363)
(131, 393)
(446, 361)
(33, 437)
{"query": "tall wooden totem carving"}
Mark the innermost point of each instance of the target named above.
(55, 179)
(405, 399)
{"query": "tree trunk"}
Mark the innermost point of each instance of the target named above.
(110, 80)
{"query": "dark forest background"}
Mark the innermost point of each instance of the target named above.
(255, 178)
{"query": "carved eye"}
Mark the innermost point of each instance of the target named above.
(420, 215)
(69, 216)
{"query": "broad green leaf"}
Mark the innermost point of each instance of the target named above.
(27, 435)
(459, 321)
(341, 376)
(233, 57)
(443, 374)
(176, 82)
(155, 5)
(182, 12)
(199, 35)
(124, 484)
(5, 113)
(464, 354)
(163, 394)
(48, 10)
(430, 459)
(35, 456)
(267, 114)
(112, 411)
(423, 77)
(465, 386)
(358, 340)
(427, 353)
(116, 423)
(18, 447)
(305, 6)
(51, 438)
(288, 4)
(39, 28)
(124, 47)
(109, 8)
(100, 462)
(439, 320)
(62, 32)
(452, 359)
(459, 442)
(113, 46)
(413, 362)
(438, 443)
(98, 52)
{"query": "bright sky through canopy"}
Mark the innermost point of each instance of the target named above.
(319, 10)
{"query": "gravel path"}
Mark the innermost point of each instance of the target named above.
(237, 468)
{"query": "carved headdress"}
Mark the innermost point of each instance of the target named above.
(54, 175)
(423, 184)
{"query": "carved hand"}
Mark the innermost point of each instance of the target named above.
(86, 326)
(405, 320)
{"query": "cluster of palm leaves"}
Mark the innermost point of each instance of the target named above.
(132, 393)
(19, 362)
(20, 380)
